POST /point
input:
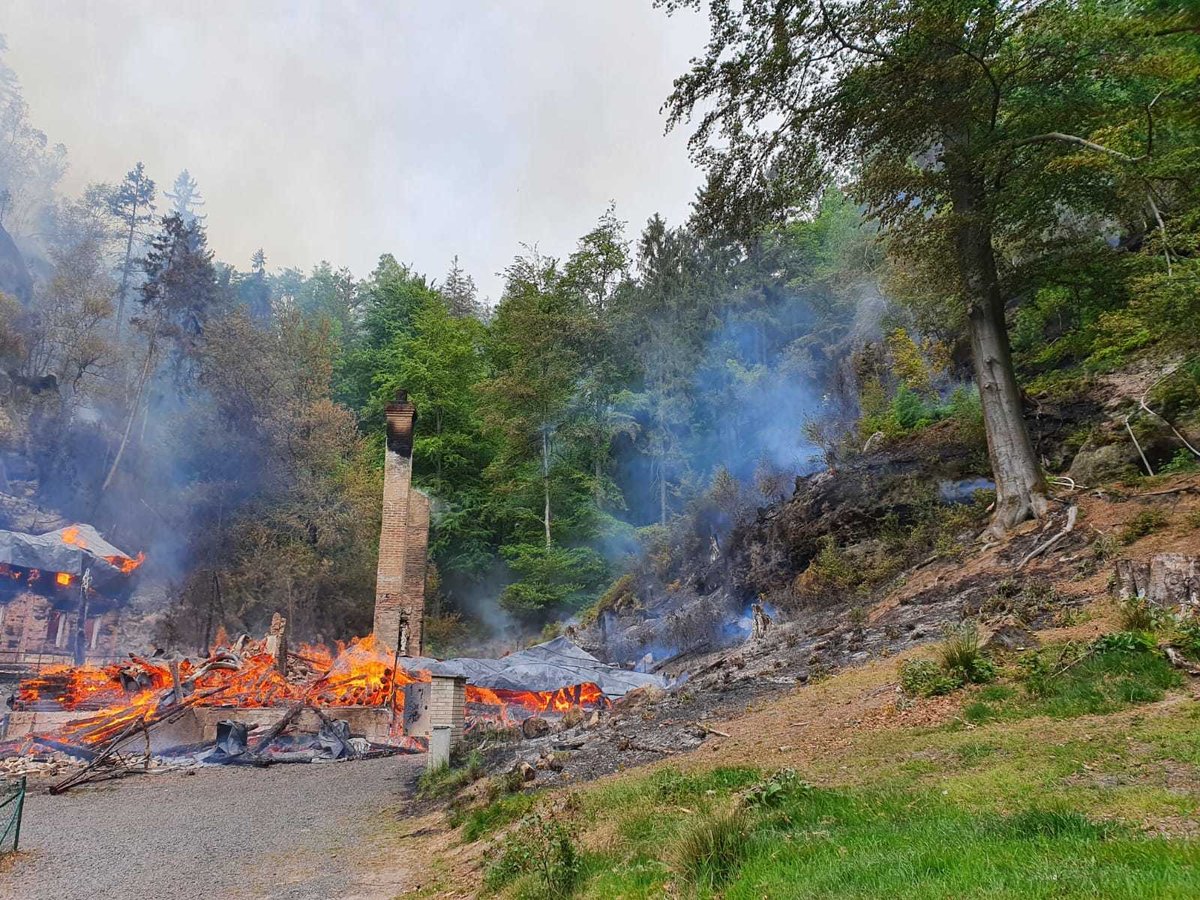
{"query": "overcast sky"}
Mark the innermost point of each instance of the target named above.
(341, 130)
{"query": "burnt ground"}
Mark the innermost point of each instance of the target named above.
(289, 832)
(989, 585)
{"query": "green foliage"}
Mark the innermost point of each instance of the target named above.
(557, 579)
(484, 820)
(709, 849)
(543, 851)
(925, 678)
(1145, 522)
(1186, 636)
(960, 652)
(1184, 462)
(1137, 614)
(440, 782)
(960, 662)
(772, 791)
(1114, 671)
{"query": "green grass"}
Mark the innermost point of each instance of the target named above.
(840, 843)
(440, 782)
(870, 843)
(1022, 799)
(484, 820)
(1092, 682)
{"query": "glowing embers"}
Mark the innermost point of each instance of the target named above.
(503, 707)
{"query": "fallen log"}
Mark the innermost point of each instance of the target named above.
(275, 730)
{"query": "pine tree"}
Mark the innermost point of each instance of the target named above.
(185, 199)
(460, 292)
(132, 204)
(254, 290)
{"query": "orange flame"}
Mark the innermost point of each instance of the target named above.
(126, 564)
(62, 578)
(358, 674)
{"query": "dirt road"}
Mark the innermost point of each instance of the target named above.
(290, 832)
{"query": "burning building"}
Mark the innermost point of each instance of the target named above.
(267, 700)
(403, 539)
(61, 595)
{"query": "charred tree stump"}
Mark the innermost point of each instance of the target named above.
(1167, 580)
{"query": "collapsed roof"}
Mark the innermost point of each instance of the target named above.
(551, 666)
(68, 549)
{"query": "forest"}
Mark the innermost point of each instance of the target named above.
(912, 214)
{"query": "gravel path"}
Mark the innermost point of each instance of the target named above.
(290, 832)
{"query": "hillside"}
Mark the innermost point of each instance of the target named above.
(1072, 776)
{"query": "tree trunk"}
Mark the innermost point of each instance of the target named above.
(546, 481)
(1020, 485)
(133, 411)
(662, 490)
(125, 270)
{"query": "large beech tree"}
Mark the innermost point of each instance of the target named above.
(954, 123)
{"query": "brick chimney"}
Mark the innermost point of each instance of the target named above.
(403, 539)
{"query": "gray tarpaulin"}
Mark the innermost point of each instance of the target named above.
(51, 553)
(544, 667)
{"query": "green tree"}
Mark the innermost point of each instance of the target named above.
(389, 300)
(952, 116)
(461, 295)
(132, 205)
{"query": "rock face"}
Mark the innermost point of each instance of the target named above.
(1095, 465)
(14, 274)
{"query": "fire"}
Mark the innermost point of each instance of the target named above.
(358, 674)
(62, 578)
(124, 563)
(584, 696)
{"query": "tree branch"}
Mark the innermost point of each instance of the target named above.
(837, 36)
(1079, 142)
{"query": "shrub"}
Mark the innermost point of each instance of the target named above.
(1137, 614)
(772, 791)
(439, 782)
(711, 848)
(1186, 637)
(544, 850)
(925, 678)
(1182, 462)
(1146, 522)
(961, 653)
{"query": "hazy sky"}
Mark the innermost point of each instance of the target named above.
(341, 130)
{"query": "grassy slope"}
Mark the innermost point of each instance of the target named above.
(1029, 806)
(1092, 791)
